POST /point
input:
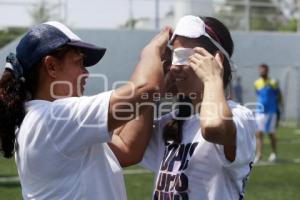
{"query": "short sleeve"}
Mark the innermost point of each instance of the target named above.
(79, 122)
(245, 138)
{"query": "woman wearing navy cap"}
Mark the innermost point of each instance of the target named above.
(60, 138)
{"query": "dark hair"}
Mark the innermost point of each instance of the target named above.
(14, 92)
(264, 66)
(172, 132)
(222, 35)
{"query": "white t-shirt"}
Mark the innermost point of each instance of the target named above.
(62, 151)
(196, 169)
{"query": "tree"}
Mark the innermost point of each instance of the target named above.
(41, 12)
(10, 34)
(45, 11)
(264, 15)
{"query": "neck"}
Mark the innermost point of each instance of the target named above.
(43, 93)
(40, 96)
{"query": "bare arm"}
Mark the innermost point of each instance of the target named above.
(147, 78)
(216, 118)
(130, 141)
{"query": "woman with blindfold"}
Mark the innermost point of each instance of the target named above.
(205, 148)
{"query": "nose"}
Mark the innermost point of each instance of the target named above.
(178, 69)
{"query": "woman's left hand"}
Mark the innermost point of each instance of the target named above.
(206, 66)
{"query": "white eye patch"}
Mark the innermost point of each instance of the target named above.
(181, 56)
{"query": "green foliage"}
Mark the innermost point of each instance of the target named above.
(262, 18)
(8, 35)
(290, 26)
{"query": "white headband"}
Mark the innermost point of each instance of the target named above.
(193, 27)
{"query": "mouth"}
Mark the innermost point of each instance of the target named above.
(179, 79)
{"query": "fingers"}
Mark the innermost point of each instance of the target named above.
(195, 67)
(164, 35)
(205, 65)
(202, 51)
(168, 29)
(195, 60)
(202, 54)
(197, 56)
(160, 41)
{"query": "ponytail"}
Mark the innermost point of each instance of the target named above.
(12, 100)
(172, 132)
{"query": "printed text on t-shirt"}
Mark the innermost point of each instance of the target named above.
(172, 182)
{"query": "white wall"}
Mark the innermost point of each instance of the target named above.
(280, 51)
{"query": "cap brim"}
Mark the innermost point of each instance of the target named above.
(92, 53)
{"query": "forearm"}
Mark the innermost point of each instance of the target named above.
(130, 143)
(146, 80)
(215, 115)
(149, 70)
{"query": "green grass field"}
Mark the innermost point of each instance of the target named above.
(280, 181)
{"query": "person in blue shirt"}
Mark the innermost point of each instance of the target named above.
(268, 98)
(238, 90)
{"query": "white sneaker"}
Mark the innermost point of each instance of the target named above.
(257, 159)
(272, 158)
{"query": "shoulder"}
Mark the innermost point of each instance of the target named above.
(244, 119)
(241, 112)
(37, 107)
(259, 83)
(82, 101)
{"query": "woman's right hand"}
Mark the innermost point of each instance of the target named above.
(160, 41)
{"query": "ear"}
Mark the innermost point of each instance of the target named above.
(51, 66)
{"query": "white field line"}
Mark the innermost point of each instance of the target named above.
(266, 163)
(10, 179)
(297, 160)
(297, 132)
(289, 142)
(14, 179)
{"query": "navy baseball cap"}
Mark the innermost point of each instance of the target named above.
(44, 38)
